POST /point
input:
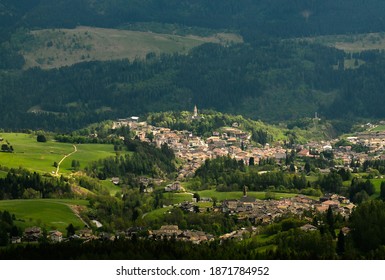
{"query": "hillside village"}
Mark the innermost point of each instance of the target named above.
(194, 150)
(257, 212)
(234, 142)
(231, 141)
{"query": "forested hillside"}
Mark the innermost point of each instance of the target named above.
(272, 76)
(268, 80)
(279, 17)
(212, 76)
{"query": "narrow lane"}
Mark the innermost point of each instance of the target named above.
(68, 155)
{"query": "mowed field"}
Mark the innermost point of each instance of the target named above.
(48, 213)
(354, 42)
(53, 48)
(40, 157)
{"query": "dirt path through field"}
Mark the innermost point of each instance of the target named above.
(58, 165)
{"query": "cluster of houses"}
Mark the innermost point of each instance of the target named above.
(233, 142)
(194, 150)
(174, 187)
(258, 212)
(266, 211)
(173, 231)
(34, 234)
(373, 141)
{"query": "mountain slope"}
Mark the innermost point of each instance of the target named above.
(270, 80)
(265, 78)
(62, 47)
(265, 17)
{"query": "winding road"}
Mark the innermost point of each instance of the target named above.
(70, 154)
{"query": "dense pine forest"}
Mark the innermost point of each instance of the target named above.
(268, 80)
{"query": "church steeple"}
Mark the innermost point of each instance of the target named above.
(195, 115)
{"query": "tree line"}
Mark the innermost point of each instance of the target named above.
(144, 159)
(21, 183)
(8, 229)
(228, 174)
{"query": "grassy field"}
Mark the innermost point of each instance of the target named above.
(52, 48)
(87, 153)
(237, 195)
(159, 213)
(375, 182)
(3, 174)
(378, 128)
(377, 188)
(156, 214)
(40, 157)
(48, 213)
(175, 198)
(113, 189)
(353, 42)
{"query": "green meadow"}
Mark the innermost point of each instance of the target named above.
(375, 182)
(159, 213)
(40, 157)
(378, 128)
(3, 174)
(156, 214)
(352, 43)
(377, 188)
(50, 48)
(87, 153)
(110, 187)
(237, 195)
(175, 198)
(46, 213)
